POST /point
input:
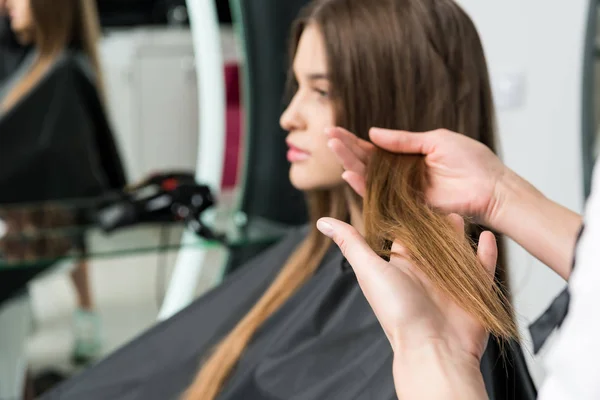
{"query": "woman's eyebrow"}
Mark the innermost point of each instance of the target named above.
(317, 76)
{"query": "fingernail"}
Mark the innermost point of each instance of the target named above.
(345, 175)
(325, 228)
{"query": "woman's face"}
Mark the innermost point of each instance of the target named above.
(310, 112)
(21, 18)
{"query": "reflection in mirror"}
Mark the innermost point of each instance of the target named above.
(596, 141)
(591, 134)
(95, 193)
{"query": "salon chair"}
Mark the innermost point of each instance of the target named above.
(56, 145)
(267, 193)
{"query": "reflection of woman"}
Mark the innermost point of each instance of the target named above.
(293, 324)
(52, 28)
(11, 52)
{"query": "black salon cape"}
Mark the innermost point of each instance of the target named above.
(323, 344)
(56, 144)
(11, 52)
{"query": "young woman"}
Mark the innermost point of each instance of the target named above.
(407, 64)
(53, 29)
(293, 323)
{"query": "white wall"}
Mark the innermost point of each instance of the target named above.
(537, 47)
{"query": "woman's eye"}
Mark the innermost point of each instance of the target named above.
(322, 93)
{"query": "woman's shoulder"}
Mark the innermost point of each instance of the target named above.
(71, 58)
(288, 241)
(75, 66)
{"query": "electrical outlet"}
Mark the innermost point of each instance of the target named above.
(509, 90)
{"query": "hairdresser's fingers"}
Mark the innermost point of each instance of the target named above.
(402, 260)
(458, 224)
(353, 246)
(404, 142)
(399, 250)
(371, 270)
(346, 157)
(356, 181)
(391, 293)
(487, 252)
(361, 148)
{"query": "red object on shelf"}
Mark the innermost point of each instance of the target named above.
(234, 114)
(170, 184)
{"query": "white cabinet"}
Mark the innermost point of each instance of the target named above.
(167, 112)
(151, 88)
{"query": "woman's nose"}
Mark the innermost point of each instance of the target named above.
(291, 119)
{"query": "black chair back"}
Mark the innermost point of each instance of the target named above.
(267, 194)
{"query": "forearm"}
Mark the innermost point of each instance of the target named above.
(545, 229)
(433, 372)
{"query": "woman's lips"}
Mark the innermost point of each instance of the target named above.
(295, 154)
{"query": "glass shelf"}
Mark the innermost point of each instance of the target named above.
(39, 235)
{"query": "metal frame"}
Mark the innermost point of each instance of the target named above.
(588, 126)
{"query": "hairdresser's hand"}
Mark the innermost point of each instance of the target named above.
(409, 308)
(2, 8)
(464, 175)
(423, 326)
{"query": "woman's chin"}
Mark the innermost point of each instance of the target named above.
(301, 185)
(302, 180)
(307, 181)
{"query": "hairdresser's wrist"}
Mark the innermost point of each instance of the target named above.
(544, 228)
(511, 194)
(433, 370)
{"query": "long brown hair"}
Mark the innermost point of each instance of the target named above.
(59, 24)
(409, 64)
(437, 79)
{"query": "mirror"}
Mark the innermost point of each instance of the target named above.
(92, 225)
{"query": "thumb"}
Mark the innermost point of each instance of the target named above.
(378, 289)
(487, 252)
(402, 141)
(356, 182)
(353, 246)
